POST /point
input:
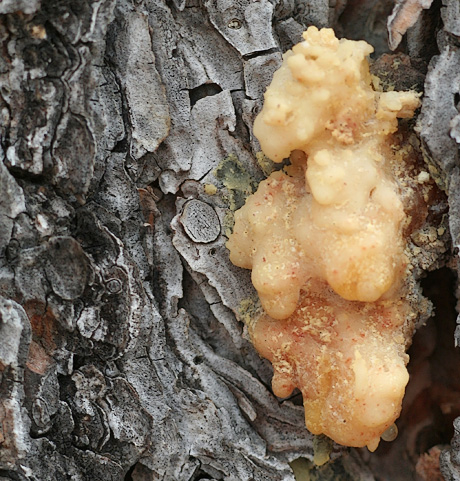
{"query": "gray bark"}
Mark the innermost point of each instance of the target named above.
(121, 352)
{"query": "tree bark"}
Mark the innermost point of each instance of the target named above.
(126, 140)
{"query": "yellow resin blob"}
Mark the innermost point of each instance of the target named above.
(324, 240)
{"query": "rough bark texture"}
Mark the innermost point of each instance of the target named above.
(121, 356)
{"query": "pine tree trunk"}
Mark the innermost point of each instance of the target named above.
(121, 356)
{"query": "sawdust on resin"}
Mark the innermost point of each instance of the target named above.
(324, 239)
